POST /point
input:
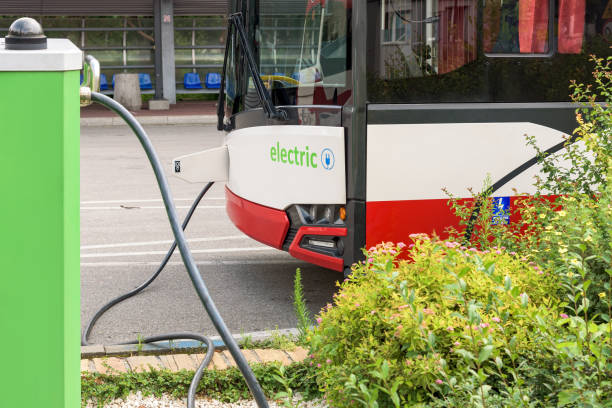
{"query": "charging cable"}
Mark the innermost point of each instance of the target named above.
(192, 269)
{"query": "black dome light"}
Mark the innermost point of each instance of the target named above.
(25, 34)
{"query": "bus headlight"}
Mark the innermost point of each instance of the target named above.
(327, 216)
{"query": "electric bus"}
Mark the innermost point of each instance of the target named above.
(345, 119)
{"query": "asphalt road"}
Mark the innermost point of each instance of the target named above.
(125, 234)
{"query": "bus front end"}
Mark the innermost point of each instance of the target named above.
(286, 189)
(281, 106)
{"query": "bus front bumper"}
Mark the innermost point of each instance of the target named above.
(270, 226)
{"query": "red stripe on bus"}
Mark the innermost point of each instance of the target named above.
(395, 220)
(264, 224)
(326, 261)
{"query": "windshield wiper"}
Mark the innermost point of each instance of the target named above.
(272, 112)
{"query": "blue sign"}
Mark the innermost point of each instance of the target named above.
(327, 159)
(501, 210)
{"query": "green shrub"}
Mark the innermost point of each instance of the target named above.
(569, 365)
(568, 222)
(397, 326)
(564, 229)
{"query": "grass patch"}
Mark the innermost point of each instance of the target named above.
(223, 385)
(277, 340)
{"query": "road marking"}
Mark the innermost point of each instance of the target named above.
(193, 251)
(130, 244)
(200, 207)
(201, 263)
(155, 200)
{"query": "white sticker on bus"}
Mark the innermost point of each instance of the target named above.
(415, 161)
(277, 166)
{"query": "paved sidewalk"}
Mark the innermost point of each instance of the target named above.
(183, 112)
(176, 362)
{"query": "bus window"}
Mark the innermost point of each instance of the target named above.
(410, 42)
(456, 34)
(522, 26)
(571, 25)
(431, 51)
(303, 52)
(516, 26)
(425, 37)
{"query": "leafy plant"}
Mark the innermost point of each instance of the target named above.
(286, 395)
(246, 342)
(571, 367)
(396, 325)
(457, 326)
(299, 306)
(580, 345)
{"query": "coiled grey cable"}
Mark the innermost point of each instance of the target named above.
(144, 285)
(210, 348)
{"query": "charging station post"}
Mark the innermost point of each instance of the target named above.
(39, 219)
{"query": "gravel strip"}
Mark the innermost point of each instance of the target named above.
(137, 400)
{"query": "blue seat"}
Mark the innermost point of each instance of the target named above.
(213, 80)
(103, 82)
(191, 80)
(113, 83)
(81, 83)
(145, 81)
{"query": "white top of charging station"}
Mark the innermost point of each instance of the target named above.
(60, 55)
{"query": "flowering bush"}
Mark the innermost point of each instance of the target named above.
(567, 224)
(564, 229)
(570, 365)
(399, 329)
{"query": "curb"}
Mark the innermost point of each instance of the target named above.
(180, 346)
(176, 362)
(153, 120)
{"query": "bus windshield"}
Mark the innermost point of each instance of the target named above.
(302, 49)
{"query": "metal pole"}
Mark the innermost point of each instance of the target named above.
(158, 49)
(167, 49)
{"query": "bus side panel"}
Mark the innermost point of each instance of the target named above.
(409, 165)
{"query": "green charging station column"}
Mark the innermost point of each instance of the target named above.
(39, 224)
